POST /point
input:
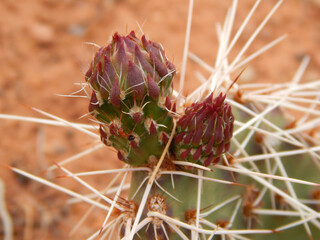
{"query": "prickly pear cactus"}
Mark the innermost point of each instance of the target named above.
(132, 84)
(195, 179)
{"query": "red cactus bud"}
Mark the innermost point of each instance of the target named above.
(94, 103)
(220, 99)
(209, 147)
(202, 115)
(159, 66)
(174, 107)
(227, 147)
(196, 155)
(126, 75)
(210, 126)
(145, 42)
(171, 67)
(115, 98)
(178, 138)
(185, 154)
(185, 121)
(120, 156)
(153, 88)
(218, 132)
(208, 161)
(188, 137)
(135, 81)
(168, 103)
(216, 160)
(140, 58)
(137, 117)
(209, 123)
(197, 136)
(98, 55)
(93, 81)
(153, 129)
(164, 138)
(109, 73)
(220, 149)
(88, 73)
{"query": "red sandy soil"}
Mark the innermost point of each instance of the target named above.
(43, 52)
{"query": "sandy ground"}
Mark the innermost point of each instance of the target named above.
(44, 52)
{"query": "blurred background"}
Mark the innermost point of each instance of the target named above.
(44, 51)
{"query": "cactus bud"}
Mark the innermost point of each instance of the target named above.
(127, 78)
(204, 131)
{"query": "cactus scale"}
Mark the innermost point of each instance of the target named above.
(132, 99)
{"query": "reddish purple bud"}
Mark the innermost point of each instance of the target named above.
(137, 117)
(168, 103)
(135, 81)
(188, 138)
(218, 132)
(209, 146)
(202, 114)
(226, 133)
(109, 74)
(132, 35)
(103, 135)
(220, 149)
(197, 136)
(174, 108)
(209, 130)
(216, 160)
(107, 78)
(164, 138)
(209, 99)
(94, 103)
(220, 99)
(153, 88)
(88, 73)
(120, 156)
(145, 42)
(185, 121)
(129, 43)
(178, 138)
(207, 162)
(120, 58)
(93, 81)
(197, 154)
(108, 51)
(115, 93)
(171, 67)
(159, 66)
(185, 154)
(140, 58)
(153, 129)
(227, 147)
(98, 55)
(151, 47)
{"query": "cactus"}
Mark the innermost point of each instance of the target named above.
(188, 143)
(226, 162)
